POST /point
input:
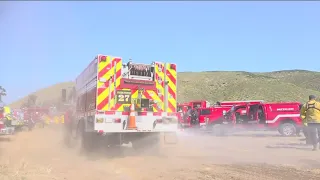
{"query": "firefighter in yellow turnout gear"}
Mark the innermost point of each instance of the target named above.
(310, 113)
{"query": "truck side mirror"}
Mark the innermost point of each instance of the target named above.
(64, 95)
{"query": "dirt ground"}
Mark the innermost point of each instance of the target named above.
(42, 155)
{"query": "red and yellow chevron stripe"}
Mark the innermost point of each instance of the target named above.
(159, 78)
(171, 77)
(110, 70)
(116, 69)
(149, 94)
(104, 71)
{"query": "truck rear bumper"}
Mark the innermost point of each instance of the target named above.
(7, 131)
(118, 128)
(108, 124)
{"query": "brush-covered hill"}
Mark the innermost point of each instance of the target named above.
(46, 96)
(293, 85)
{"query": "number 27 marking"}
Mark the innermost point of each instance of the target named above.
(123, 98)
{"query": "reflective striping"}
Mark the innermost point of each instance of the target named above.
(149, 94)
(108, 70)
(171, 77)
(104, 68)
(281, 116)
(116, 65)
(159, 78)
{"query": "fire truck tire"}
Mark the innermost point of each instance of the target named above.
(84, 140)
(87, 142)
(287, 129)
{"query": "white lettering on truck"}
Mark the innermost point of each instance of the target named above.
(285, 109)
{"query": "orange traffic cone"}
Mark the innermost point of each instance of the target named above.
(132, 119)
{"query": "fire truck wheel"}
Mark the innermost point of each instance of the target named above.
(287, 129)
(88, 141)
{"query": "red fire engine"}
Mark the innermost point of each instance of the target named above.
(215, 115)
(284, 116)
(109, 95)
(209, 116)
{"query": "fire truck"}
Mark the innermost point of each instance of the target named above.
(209, 116)
(283, 116)
(123, 102)
(215, 115)
(34, 115)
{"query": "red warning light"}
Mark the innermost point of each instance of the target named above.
(173, 66)
(103, 58)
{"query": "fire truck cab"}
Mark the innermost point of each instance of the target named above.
(283, 116)
(109, 94)
(199, 104)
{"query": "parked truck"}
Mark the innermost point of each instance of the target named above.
(183, 108)
(282, 116)
(212, 115)
(215, 115)
(116, 103)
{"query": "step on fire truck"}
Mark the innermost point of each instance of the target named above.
(122, 103)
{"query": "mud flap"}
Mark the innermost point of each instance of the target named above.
(170, 138)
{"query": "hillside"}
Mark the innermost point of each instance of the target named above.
(46, 96)
(302, 78)
(294, 85)
(218, 86)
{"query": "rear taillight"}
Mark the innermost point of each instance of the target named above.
(142, 113)
(117, 120)
(173, 66)
(159, 120)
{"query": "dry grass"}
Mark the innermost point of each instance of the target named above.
(47, 96)
(219, 86)
(294, 85)
(302, 78)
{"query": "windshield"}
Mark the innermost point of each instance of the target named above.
(196, 104)
(205, 112)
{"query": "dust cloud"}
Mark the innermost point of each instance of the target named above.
(43, 154)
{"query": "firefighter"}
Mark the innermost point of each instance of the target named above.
(310, 113)
(194, 116)
(305, 132)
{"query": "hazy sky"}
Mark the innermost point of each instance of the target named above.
(42, 43)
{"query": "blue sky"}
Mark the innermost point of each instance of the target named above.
(43, 43)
